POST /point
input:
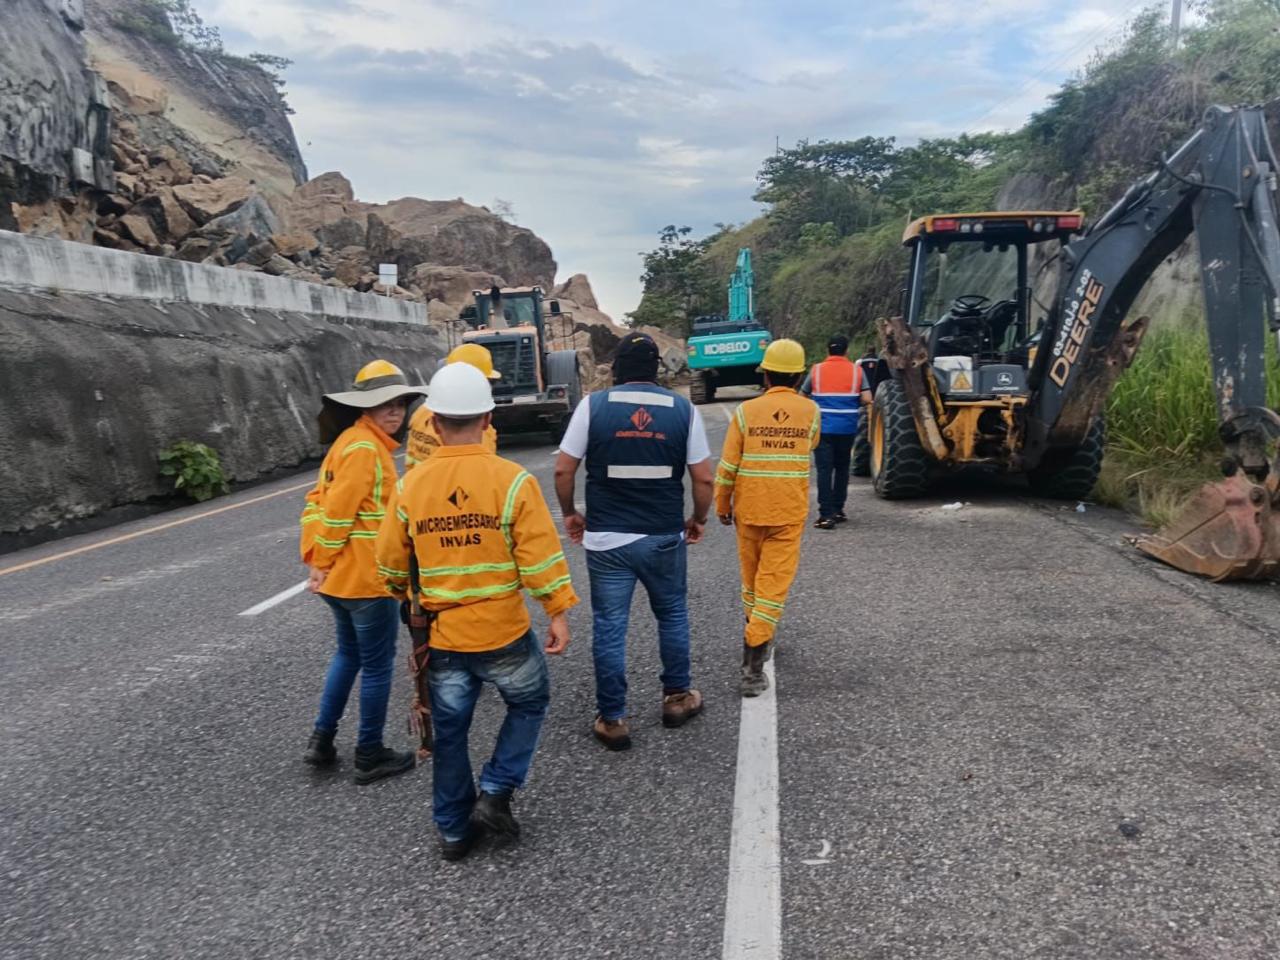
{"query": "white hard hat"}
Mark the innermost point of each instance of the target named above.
(459, 390)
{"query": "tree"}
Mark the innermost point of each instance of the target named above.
(677, 282)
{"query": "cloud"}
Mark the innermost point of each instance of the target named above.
(603, 121)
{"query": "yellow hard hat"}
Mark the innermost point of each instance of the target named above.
(378, 368)
(476, 355)
(783, 356)
(377, 382)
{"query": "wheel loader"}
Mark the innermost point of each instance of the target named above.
(540, 385)
(978, 371)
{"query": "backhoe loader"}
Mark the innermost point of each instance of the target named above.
(976, 372)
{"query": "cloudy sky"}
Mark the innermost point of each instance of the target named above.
(600, 122)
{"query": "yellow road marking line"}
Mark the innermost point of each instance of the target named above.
(142, 533)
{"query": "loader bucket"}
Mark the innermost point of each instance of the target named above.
(1228, 531)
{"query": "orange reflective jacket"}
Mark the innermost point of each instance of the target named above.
(345, 508)
(481, 532)
(423, 439)
(763, 476)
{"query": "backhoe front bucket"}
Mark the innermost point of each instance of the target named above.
(1227, 532)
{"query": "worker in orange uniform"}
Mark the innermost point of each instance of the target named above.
(476, 530)
(339, 524)
(762, 486)
(423, 439)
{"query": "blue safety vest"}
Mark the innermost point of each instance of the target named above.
(636, 447)
(836, 387)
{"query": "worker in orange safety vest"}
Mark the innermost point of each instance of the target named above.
(836, 385)
(762, 487)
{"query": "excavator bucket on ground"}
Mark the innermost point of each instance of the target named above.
(1229, 531)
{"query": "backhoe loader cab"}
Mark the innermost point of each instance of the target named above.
(969, 337)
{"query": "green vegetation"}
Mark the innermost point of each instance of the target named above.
(196, 469)
(827, 250)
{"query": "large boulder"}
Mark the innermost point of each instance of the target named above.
(411, 231)
(451, 285)
(578, 289)
(166, 214)
(217, 198)
(327, 208)
(253, 218)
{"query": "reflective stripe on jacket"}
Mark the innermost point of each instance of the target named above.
(345, 508)
(481, 532)
(836, 387)
(423, 439)
(763, 475)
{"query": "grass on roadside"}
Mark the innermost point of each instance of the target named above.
(1162, 426)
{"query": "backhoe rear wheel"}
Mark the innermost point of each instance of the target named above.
(899, 463)
(1070, 474)
(702, 388)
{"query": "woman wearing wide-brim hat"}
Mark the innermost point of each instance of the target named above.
(339, 525)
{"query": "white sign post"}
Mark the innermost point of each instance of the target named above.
(388, 275)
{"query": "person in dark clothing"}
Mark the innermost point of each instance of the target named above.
(638, 439)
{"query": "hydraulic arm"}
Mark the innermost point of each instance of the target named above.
(1220, 185)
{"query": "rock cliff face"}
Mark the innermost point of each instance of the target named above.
(1173, 293)
(54, 114)
(214, 110)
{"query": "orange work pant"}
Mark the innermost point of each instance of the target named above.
(768, 557)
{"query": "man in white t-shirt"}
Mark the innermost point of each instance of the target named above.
(637, 439)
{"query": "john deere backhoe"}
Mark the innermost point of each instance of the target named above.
(977, 372)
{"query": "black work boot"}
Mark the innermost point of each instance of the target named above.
(375, 763)
(754, 682)
(455, 850)
(320, 749)
(493, 812)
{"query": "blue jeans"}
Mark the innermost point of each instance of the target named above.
(660, 563)
(367, 630)
(831, 457)
(519, 671)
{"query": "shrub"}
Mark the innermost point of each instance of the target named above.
(196, 469)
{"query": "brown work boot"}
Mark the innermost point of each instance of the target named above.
(681, 706)
(614, 734)
(754, 682)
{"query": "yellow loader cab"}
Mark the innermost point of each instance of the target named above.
(954, 367)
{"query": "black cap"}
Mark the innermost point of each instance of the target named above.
(636, 359)
(838, 344)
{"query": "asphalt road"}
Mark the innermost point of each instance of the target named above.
(1001, 733)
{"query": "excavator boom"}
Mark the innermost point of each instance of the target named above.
(1220, 185)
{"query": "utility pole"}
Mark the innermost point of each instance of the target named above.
(1175, 21)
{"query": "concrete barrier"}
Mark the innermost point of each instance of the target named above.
(44, 264)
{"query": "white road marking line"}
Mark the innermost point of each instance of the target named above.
(270, 602)
(728, 414)
(753, 904)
